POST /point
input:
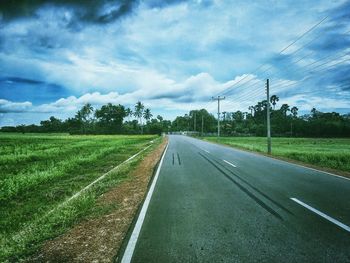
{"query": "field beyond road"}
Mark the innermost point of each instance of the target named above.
(326, 153)
(39, 173)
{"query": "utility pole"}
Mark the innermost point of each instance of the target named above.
(218, 98)
(268, 116)
(202, 123)
(195, 121)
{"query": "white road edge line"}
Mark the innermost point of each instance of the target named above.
(313, 169)
(229, 163)
(334, 221)
(206, 151)
(283, 161)
(129, 251)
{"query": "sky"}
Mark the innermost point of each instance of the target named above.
(57, 55)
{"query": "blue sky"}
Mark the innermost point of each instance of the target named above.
(172, 55)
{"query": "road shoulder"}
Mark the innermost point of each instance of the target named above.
(98, 239)
(330, 171)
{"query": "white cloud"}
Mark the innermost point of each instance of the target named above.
(9, 106)
(306, 103)
(172, 58)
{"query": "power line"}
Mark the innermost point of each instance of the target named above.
(256, 90)
(322, 69)
(312, 28)
(295, 62)
(280, 52)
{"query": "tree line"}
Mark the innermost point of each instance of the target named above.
(109, 119)
(117, 119)
(285, 121)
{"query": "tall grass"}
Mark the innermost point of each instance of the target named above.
(39, 172)
(328, 153)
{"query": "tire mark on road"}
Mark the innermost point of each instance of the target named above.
(257, 190)
(245, 190)
(178, 158)
(252, 186)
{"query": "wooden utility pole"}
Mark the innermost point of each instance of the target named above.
(218, 98)
(268, 116)
(195, 121)
(202, 123)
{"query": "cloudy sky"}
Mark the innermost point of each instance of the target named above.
(56, 55)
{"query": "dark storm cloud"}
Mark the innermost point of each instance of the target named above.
(332, 42)
(341, 13)
(104, 11)
(334, 35)
(15, 88)
(88, 11)
(341, 77)
(162, 3)
(20, 80)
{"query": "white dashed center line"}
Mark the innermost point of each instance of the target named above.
(230, 163)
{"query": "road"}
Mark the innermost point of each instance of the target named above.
(212, 203)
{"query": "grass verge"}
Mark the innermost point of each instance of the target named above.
(36, 210)
(333, 154)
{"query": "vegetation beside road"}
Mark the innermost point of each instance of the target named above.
(108, 119)
(40, 172)
(117, 119)
(328, 153)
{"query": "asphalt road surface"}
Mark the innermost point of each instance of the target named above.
(212, 203)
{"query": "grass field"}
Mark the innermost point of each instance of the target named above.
(40, 172)
(328, 153)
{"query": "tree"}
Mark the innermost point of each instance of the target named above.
(51, 125)
(314, 112)
(138, 113)
(284, 109)
(147, 114)
(86, 111)
(128, 113)
(84, 115)
(273, 100)
(110, 118)
(251, 108)
(294, 111)
(181, 123)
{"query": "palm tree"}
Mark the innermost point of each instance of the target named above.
(259, 106)
(294, 111)
(224, 113)
(273, 100)
(251, 108)
(284, 109)
(147, 114)
(128, 113)
(138, 113)
(86, 111)
(314, 112)
(84, 115)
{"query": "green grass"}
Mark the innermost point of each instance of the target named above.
(39, 172)
(328, 153)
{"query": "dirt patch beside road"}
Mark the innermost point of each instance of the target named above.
(98, 239)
